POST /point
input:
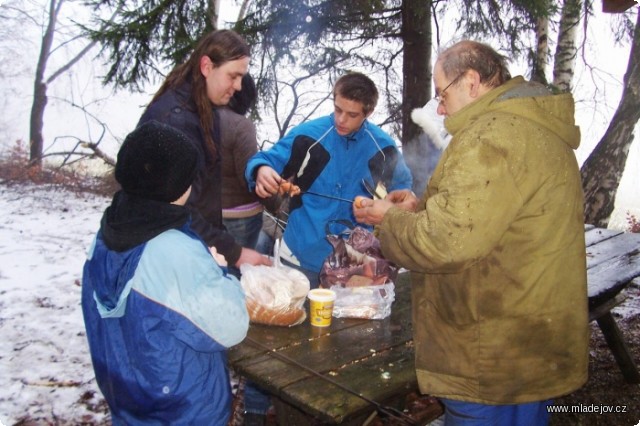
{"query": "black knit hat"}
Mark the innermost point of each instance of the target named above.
(156, 162)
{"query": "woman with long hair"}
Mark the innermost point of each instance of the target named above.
(187, 100)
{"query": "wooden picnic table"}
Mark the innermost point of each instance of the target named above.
(372, 358)
(613, 261)
(345, 373)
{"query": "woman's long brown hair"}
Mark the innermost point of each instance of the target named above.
(220, 46)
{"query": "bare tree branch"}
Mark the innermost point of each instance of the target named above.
(80, 54)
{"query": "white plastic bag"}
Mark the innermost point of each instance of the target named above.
(275, 295)
(368, 302)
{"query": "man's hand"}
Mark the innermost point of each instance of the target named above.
(372, 212)
(252, 257)
(267, 182)
(404, 199)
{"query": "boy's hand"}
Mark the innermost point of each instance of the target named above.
(267, 182)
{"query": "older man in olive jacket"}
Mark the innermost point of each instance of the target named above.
(495, 247)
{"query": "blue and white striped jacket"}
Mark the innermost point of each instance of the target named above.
(159, 318)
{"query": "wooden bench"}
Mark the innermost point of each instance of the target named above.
(613, 261)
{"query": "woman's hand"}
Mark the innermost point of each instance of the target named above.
(252, 257)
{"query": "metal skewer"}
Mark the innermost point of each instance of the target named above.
(328, 196)
(371, 189)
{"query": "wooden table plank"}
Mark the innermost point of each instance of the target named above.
(612, 248)
(277, 338)
(325, 354)
(606, 279)
(595, 235)
(381, 378)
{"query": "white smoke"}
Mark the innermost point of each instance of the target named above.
(423, 153)
(432, 124)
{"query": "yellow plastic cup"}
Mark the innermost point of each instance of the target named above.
(321, 306)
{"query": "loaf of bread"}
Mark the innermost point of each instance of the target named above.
(260, 314)
(274, 295)
(358, 281)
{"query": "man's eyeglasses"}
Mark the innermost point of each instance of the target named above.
(439, 97)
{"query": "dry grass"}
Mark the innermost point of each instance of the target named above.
(15, 168)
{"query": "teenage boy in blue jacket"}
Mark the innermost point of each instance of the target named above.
(330, 155)
(159, 308)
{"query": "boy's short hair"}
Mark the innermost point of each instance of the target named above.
(357, 87)
(156, 162)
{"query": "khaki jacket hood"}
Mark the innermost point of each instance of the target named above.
(527, 99)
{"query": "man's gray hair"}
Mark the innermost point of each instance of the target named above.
(473, 55)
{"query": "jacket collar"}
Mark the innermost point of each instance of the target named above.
(352, 135)
(459, 120)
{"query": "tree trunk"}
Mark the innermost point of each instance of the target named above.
(36, 123)
(40, 85)
(539, 65)
(243, 10)
(416, 63)
(567, 50)
(416, 72)
(214, 10)
(602, 171)
(36, 140)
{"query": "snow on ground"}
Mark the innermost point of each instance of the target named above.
(46, 375)
(45, 368)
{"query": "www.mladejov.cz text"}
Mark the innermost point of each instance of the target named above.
(587, 408)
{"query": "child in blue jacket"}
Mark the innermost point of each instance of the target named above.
(159, 308)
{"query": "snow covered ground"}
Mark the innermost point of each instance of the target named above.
(46, 375)
(45, 369)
